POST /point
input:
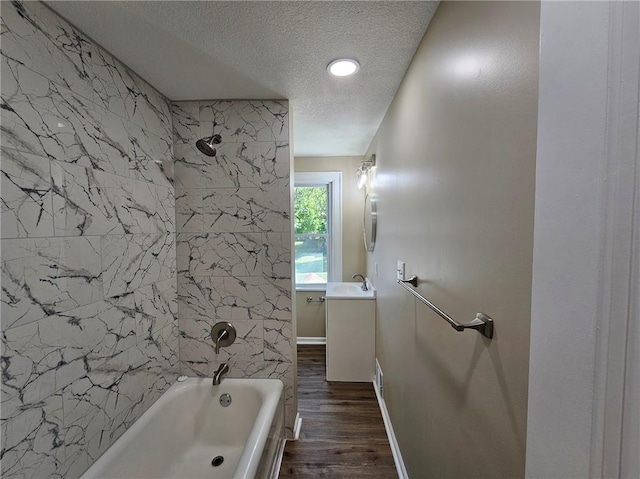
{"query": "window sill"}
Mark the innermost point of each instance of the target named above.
(311, 288)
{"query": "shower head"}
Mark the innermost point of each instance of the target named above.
(205, 145)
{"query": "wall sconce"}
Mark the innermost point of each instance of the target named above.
(362, 172)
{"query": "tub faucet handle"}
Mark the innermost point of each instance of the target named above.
(223, 334)
(220, 372)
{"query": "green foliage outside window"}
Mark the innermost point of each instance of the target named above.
(310, 209)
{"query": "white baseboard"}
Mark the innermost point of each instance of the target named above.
(395, 448)
(296, 427)
(311, 340)
(278, 462)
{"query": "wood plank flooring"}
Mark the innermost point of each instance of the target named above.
(342, 434)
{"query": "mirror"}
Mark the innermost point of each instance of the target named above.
(370, 222)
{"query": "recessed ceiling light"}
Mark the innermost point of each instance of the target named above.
(343, 67)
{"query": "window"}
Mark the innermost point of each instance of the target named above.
(317, 223)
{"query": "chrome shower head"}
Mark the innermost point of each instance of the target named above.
(205, 145)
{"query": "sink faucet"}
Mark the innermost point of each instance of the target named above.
(364, 286)
(217, 376)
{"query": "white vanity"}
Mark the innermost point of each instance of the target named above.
(350, 315)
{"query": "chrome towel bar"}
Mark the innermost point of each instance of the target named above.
(482, 323)
(310, 299)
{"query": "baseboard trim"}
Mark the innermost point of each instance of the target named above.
(297, 426)
(278, 461)
(395, 448)
(311, 340)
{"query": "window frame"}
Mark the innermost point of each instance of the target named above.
(332, 180)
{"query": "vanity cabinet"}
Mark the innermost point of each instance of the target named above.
(351, 340)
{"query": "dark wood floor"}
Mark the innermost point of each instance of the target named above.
(342, 434)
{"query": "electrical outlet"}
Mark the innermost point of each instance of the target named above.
(379, 378)
(400, 270)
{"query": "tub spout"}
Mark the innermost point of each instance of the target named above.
(217, 376)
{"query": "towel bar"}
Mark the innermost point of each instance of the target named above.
(482, 323)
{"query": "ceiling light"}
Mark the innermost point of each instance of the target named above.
(343, 67)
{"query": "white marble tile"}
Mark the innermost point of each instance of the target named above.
(58, 350)
(246, 209)
(90, 202)
(41, 277)
(127, 95)
(161, 348)
(84, 413)
(219, 254)
(132, 261)
(111, 387)
(36, 37)
(202, 297)
(186, 121)
(165, 214)
(247, 165)
(196, 344)
(188, 210)
(195, 368)
(82, 203)
(151, 157)
(49, 120)
(81, 452)
(111, 83)
(98, 410)
(249, 120)
(276, 164)
(26, 195)
(156, 307)
(149, 108)
(30, 365)
(32, 438)
(276, 261)
(277, 340)
(111, 397)
(110, 134)
(189, 165)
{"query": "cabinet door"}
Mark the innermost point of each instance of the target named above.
(350, 340)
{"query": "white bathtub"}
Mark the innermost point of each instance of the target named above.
(186, 428)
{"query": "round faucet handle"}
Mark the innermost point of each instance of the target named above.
(223, 334)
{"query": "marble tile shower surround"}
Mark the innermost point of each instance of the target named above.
(89, 291)
(233, 223)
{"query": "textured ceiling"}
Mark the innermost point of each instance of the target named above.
(193, 50)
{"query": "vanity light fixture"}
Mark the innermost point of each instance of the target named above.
(363, 171)
(343, 67)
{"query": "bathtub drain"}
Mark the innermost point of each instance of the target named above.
(216, 461)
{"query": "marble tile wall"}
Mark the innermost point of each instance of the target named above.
(89, 299)
(233, 223)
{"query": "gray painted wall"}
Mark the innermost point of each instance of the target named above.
(455, 185)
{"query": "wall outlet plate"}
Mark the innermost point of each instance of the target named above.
(400, 270)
